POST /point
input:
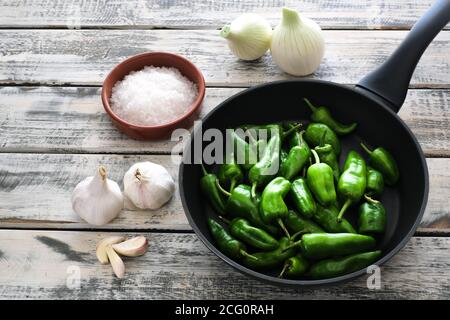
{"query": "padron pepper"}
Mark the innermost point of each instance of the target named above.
(330, 268)
(230, 246)
(245, 153)
(270, 259)
(296, 159)
(302, 199)
(321, 181)
(272, 206)
(381, 160)
(372, 217)
(255, 237)
(375, 182)
(294, 267)
(267, 167)
(209, 188)
(352, 182)
(297, 224)
(326, 217)
(327, 155)
(240, 204)
(325, 245)
(230, 172)
(316, 133)
(323, 115)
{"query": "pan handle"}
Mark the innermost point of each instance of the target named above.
(390, 81)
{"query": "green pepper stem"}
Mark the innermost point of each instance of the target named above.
(248, 255)
(365, 148)
(205, 173)
(310, 105)
(285, 268)
(290, 130)
(232, 185)
(322, 139)
(293, 245)
(344, 208)
(224, 219)
(369, 199)
(295, 235)
(222, 190)
(316, 156)
(280, 222)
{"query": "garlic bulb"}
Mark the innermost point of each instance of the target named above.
(97, 200)
(297, 44)
(148, 185)
(248, 36)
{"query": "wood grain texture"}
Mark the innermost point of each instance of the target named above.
(35, 192)
(40, 265)
(330, 14)
(85, 57)
(66, 119)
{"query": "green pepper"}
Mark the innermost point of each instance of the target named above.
(302, 198)
(270, 128)
(372, 217)
(327, 155)
(272, 207)
(336, 267)
(296, 223)
(233, 248)
(323, 115)
(230, 173)
(209, 188)
(257, 238)
(353, 180)
(267, 167)
(321, 182)
(271, 259)
(383, 161)
(325, 245)
(246, 153)
(326, 217)
(297, 158)
(375, 182)
(294, 267)
(318, 132)
(240, 204)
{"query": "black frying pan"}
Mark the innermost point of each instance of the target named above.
(373, 103)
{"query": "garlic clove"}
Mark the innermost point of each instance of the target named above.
(133, 247)
(97, 200)
(101, 247)
(116, 262)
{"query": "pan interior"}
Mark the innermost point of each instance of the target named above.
(282, 101)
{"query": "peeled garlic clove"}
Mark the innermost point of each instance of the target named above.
(133, 247)
(148, 185)
(97, 200)
(116, 263)
(101, 247)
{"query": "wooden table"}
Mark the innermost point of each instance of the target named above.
(54, 133)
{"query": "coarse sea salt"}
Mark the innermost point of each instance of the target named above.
(153, 96)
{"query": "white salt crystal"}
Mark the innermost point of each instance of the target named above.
(153, 96)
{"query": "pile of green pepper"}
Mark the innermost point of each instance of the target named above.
(290, 221)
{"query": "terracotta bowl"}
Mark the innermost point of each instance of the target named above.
(157, 59)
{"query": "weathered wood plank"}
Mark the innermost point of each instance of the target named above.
(39, 265)
(85, 57)
(35, 192)
(66, 119)
(361, 14)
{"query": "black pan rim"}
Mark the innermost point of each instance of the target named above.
(307, 283)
